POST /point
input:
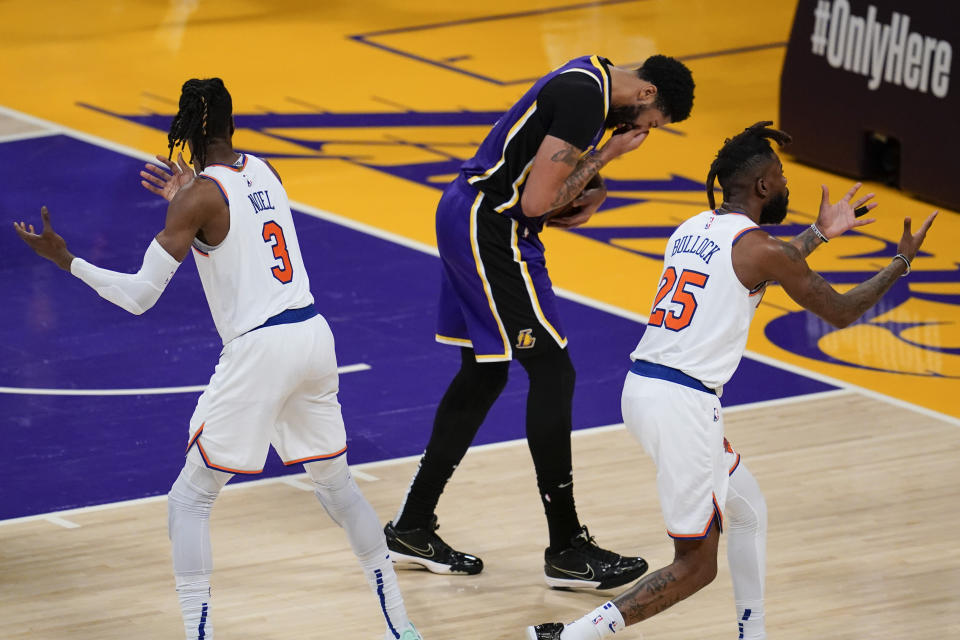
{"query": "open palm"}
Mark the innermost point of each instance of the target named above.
(166, 183)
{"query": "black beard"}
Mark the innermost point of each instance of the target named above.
(622, 116)
(775, 209)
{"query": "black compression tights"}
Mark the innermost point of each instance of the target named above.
(460, 414)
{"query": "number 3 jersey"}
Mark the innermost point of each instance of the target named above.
(701, 313)
(257, 271)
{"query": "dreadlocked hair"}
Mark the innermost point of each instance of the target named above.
(674, 84)
(205, 113)
(741, 153)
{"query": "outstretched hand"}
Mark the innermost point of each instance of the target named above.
(910, 242)
(836, 219)
(47, 243)
(166, 184)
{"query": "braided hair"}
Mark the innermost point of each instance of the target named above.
(742, 153)
(206, 112)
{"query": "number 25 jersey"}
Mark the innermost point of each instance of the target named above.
(257, 271)
(701, 313)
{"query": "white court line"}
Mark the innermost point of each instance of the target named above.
(350, 368)
(62, 522)
(363, 476)
(359, 470)
(296, 483)
(27, 135)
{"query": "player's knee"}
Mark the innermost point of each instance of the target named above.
(334, 486)
(553, 369)
(194, 491)
(486, 379)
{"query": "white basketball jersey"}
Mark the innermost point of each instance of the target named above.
(257, 271)
(701, 313)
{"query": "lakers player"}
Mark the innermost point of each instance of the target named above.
(716, 267)
(276, 382)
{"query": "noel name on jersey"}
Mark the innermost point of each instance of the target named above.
(260, 200)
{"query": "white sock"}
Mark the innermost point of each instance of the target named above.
(343, 501)
(747, 551)
(602, 622)
(194, 595)
(750, 621)
(189, 503)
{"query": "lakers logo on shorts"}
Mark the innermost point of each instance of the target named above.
(525, 339)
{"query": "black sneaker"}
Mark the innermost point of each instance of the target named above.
(425, 548)
(548, 631)
(584, 565)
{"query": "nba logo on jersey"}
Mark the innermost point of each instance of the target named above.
(716, 414)
(525, 339)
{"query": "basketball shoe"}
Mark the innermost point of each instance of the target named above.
(409, 633)
(548, 631)
(425, 548)
(584, 565)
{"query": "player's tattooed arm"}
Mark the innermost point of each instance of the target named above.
(812, 292)
(584, 170)
(806, 241)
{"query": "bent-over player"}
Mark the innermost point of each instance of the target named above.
(276, 382)
(497, 302)
(716, 267)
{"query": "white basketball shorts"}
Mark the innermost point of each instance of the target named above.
(682, 430)
(273, 386)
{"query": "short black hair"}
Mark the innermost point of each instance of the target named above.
(674, 84)
(741, 153)
(206, 112)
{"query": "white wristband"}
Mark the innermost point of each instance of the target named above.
(817, 232)
(135, 292)
(906, 261)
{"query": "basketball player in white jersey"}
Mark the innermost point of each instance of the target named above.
(716, 266)
(276, 382)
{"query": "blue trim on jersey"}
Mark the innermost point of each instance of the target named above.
(290, 316)
(662, 372)
(219, 186)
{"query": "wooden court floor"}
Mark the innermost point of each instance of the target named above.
(862, 545)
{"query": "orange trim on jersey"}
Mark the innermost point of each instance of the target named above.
(737, 237)
(735, 465)
(204, 254)
(230, 166)
(325, 456)
(717, 515)
(195, 436)
(206, 461)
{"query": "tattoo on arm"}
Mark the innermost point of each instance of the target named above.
(842, 309)
(568, 155)
(806, 242)
(583, 171)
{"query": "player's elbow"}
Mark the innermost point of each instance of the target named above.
(532, 205)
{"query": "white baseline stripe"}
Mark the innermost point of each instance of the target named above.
(26, 135)
(350, 368)
(300, 480)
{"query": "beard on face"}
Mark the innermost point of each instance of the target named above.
(775, 209)
(622, 116)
